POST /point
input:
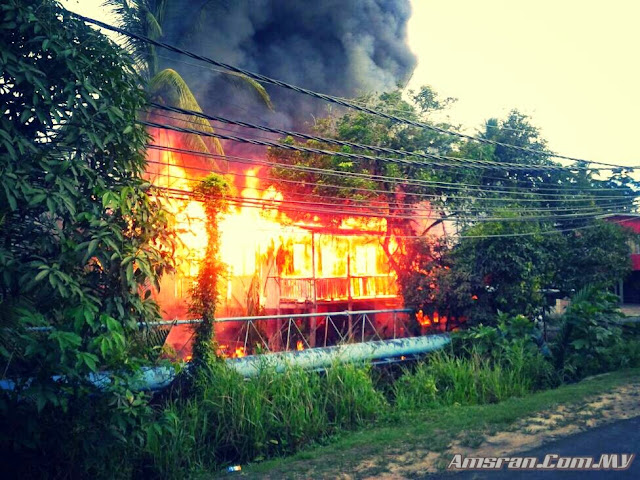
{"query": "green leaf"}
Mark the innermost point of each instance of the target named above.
(41, 275)
(579, 344)
(93, 244)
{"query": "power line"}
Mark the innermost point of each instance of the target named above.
(479, 164)
(301, 205)
(501, 189)
(319, 151)
(593, 208)
(460, 236)
(400, 181)
(359, 146)
(539, 189)
(329, 98)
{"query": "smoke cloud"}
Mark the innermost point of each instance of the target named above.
(342, 47)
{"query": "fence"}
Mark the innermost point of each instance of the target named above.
(240, 336)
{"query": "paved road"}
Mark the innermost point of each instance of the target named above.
(618, 437)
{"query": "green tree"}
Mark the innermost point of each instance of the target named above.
(598, 256)
(81, 244)
(508, 265)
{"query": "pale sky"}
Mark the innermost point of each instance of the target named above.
(570, 64)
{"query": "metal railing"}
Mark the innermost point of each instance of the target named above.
(336, 288)
(276, 333)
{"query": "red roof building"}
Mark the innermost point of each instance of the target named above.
(629, 289)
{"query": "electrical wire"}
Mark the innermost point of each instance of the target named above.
(395, 180)
(319, 151)
(461, 236)
(539, 189)
(367, 202)
(301, 205)
(404, 181)
(342, 143)
(443, 196)
(564, 189)
(336, 100)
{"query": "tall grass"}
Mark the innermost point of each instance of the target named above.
(228, 418)
(446, 379)
(232, 419)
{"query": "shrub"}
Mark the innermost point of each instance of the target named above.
(81, 244)
(590, 336)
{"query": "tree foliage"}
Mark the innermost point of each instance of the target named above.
(557, 244)
(547, 240)
(82, 242)
(212, 191)
(590, 334)
(371, 186)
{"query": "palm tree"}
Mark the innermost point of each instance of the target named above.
(166, 86)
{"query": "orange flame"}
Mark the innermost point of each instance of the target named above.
(423, 319)
(258, 240)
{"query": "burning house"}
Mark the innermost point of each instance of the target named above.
(276, 264)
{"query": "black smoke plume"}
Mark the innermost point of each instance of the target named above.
(340, 47)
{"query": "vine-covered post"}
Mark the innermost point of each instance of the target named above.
(212, 191)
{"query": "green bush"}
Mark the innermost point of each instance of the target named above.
(590, 335)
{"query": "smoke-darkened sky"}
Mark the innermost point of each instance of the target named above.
(341, 47)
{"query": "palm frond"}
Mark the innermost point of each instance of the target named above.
(239, 80)
(154, 30)
(132, 15)
(169, 88)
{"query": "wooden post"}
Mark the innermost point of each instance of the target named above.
(314, 320)
(349, 295)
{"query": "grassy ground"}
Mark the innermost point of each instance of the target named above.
(431, 430)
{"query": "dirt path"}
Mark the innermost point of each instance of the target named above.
(621, 403)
